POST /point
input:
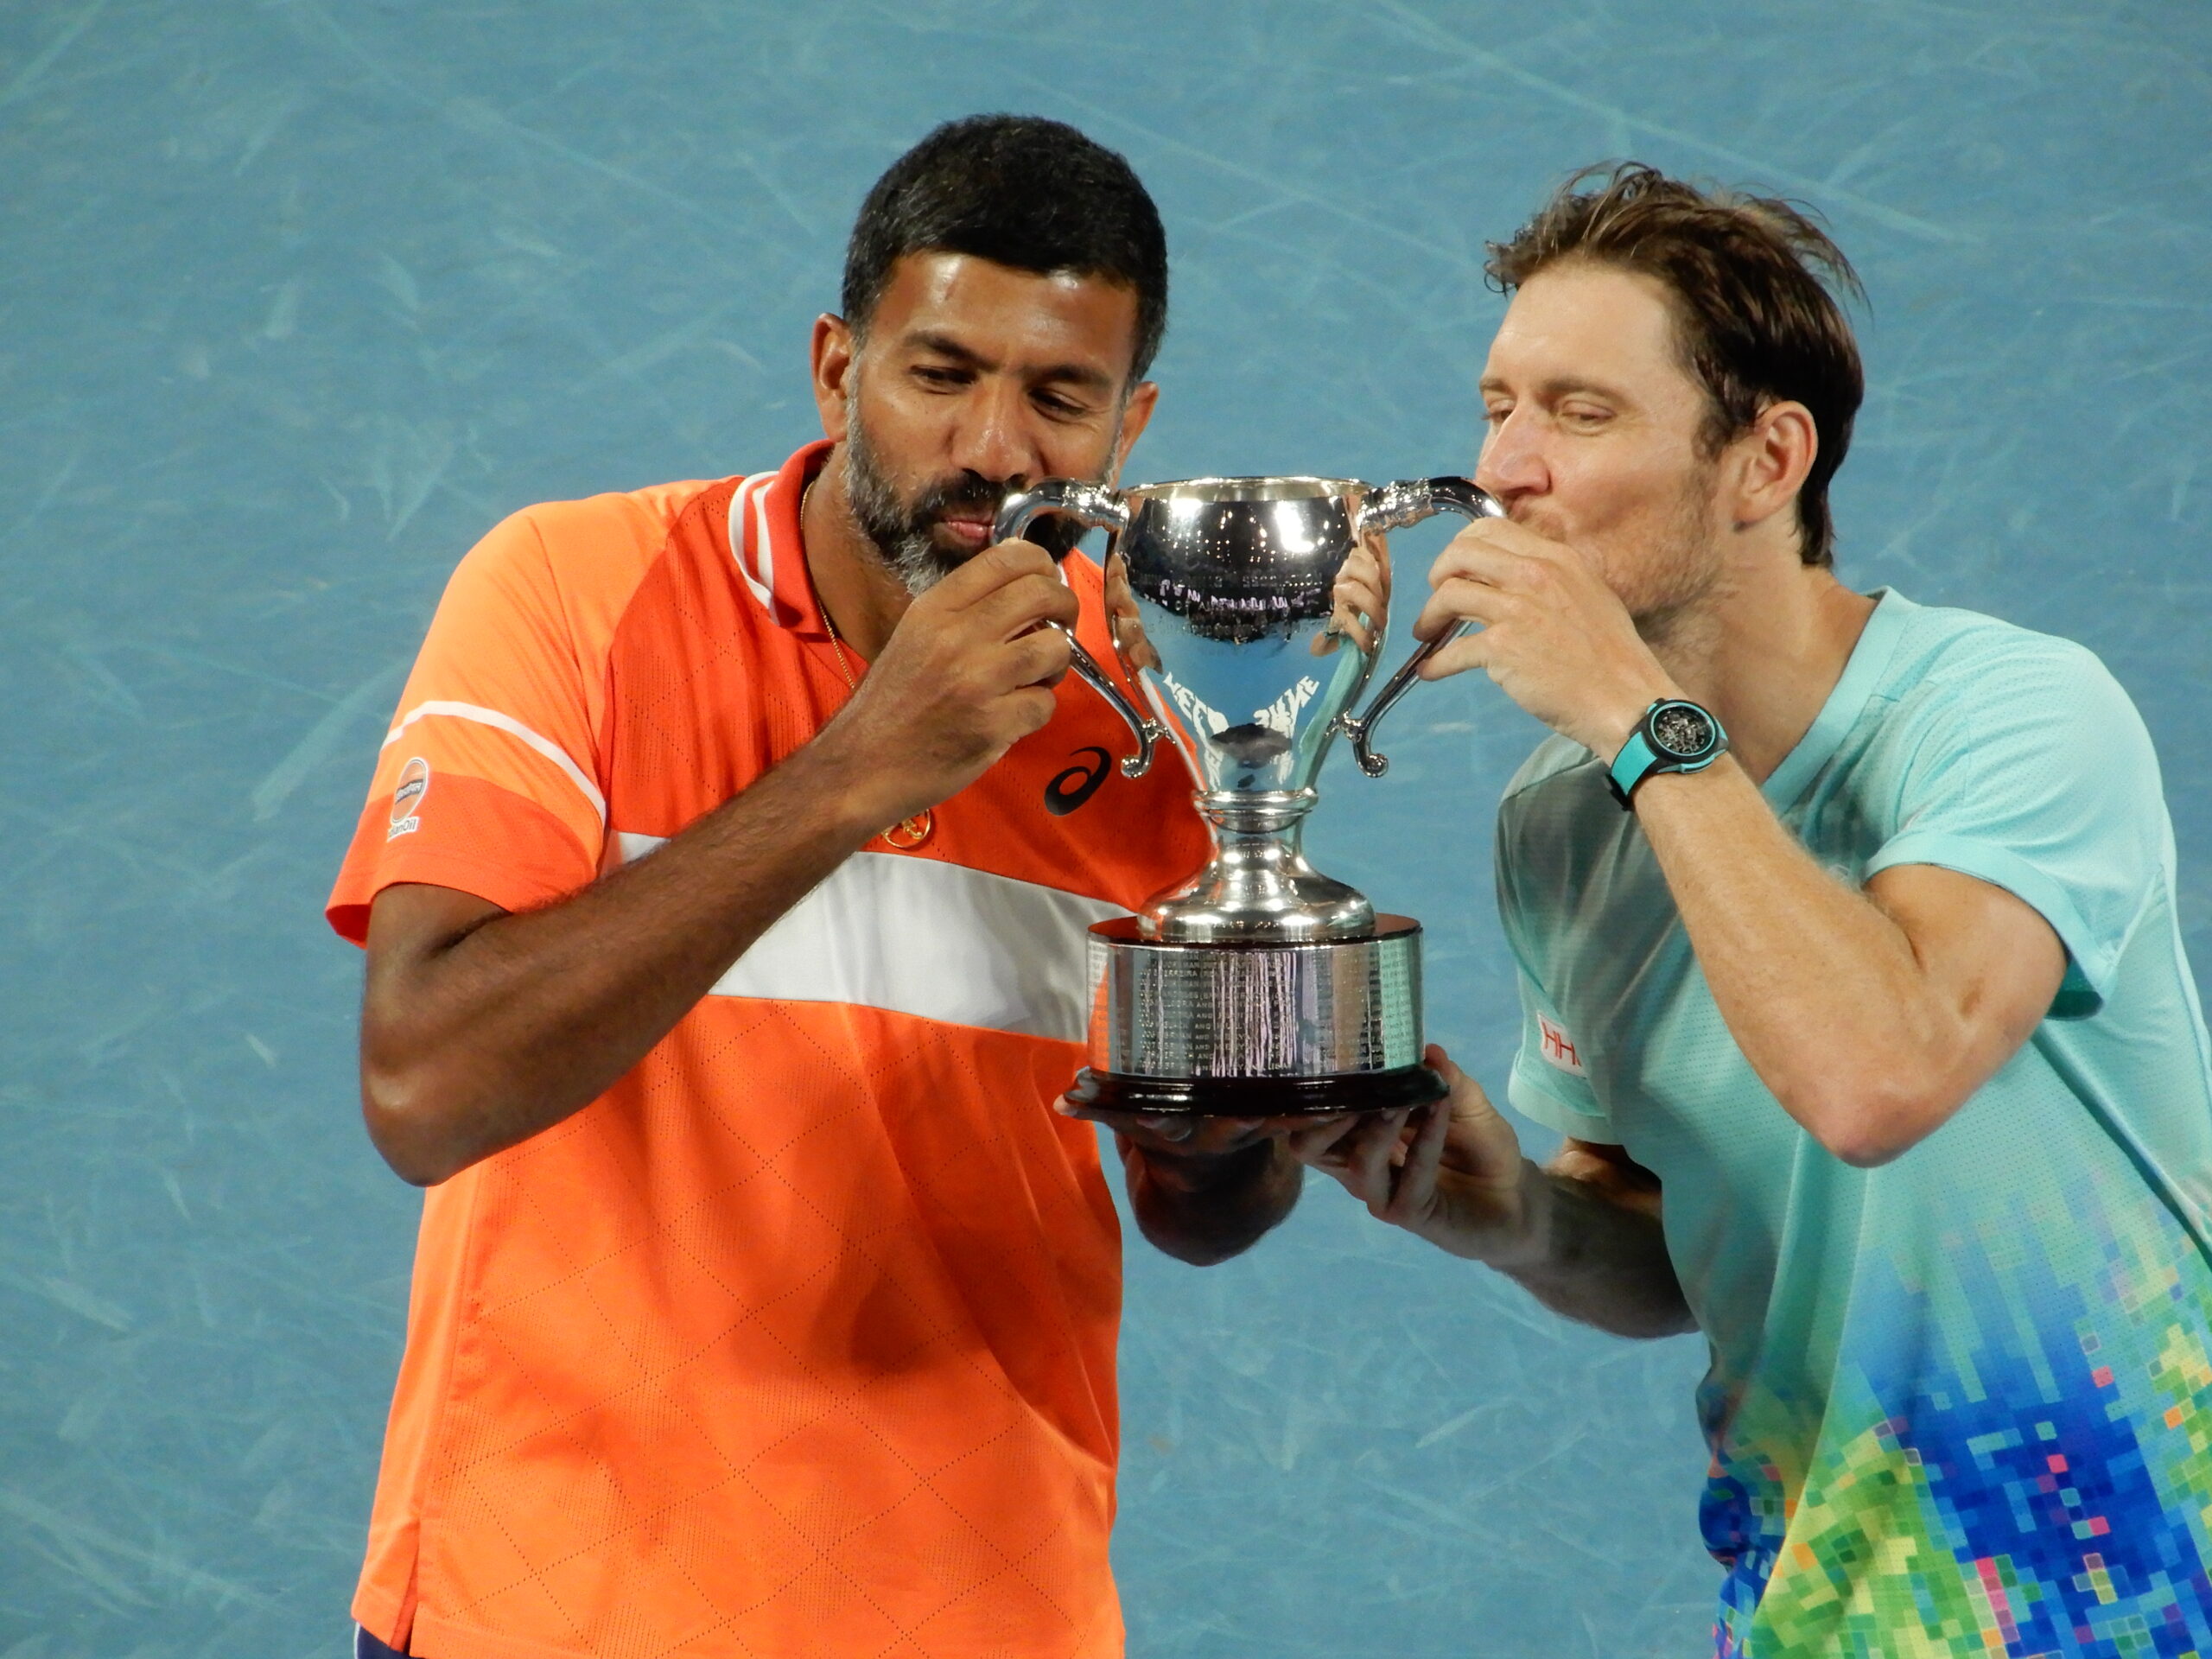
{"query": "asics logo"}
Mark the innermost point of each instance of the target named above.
(1072, 786)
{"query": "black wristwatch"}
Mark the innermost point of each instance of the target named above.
(1674, 736)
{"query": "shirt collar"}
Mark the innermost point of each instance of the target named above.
(1862, 675)
(766, 545)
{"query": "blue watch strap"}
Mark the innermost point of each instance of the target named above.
(1632, 766)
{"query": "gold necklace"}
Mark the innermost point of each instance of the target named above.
(908, 833)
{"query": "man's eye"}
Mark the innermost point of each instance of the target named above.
(1496, 413)
(1060, 406)
(940, 377)
(1585, 415)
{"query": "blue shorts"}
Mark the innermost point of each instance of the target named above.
(367, 1646)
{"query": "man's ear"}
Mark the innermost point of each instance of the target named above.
(832, 358)
(1770, 462)
(1136, 415)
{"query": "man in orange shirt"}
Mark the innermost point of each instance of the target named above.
(723, 882)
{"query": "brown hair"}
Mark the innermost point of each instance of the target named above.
(1757, 326)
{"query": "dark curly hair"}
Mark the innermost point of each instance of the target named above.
(1756, 325)
(1020, 190)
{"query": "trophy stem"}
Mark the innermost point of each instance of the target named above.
(1258, 889)
(1276, 813)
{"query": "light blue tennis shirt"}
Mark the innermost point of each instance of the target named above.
(1962, 1403)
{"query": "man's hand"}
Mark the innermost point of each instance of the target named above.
(1359, 602)
(1123, 621)
(1452, 1174)
(1206, 1188)
(1555, 637)
(1584, 1237)
(969, 672)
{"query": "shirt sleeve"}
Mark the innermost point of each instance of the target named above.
(488, 781)
(2034, 773)
(1548, 1083)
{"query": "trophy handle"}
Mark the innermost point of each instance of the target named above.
(1100, 506)
(1392, 507)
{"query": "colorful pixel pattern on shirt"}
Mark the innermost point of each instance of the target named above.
(2029, 1471)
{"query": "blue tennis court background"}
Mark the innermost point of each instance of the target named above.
(297, 298)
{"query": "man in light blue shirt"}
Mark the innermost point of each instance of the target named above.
(1851, 972)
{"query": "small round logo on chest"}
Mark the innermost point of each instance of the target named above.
(910, 833)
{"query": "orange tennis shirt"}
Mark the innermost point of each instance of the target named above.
(800, 1338)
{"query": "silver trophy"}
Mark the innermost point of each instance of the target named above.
(1259, 986)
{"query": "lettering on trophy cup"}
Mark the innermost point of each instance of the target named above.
(1207, 720)
(1282, 716)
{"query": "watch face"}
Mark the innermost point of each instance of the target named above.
(1682, 731)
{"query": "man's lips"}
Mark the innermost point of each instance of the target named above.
(970, 533)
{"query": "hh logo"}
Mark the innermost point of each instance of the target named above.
(1071, 787)
(407, 799)
(1559, 1048)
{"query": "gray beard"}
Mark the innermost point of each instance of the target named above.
(907, 548)
(904, 536)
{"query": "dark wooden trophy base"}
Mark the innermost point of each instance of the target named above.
(1104, 1095)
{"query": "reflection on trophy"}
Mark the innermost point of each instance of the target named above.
(1259, 986)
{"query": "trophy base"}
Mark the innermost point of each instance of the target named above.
(1253, 1029)
(1102, 1095)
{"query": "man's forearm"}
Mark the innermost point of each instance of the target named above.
(1821, 989)
(1204, 1209)
(1586, 1253)
(474, 1043)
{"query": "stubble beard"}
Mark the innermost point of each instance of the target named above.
(1671, 598)
(903, 534)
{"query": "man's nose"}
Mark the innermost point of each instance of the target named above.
(991, 439)
(1512, 466)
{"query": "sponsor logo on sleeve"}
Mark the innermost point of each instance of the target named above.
(407, 799)
(1073, 785)
(1559, 1047)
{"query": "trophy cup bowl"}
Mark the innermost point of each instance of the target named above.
(1257, 987)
